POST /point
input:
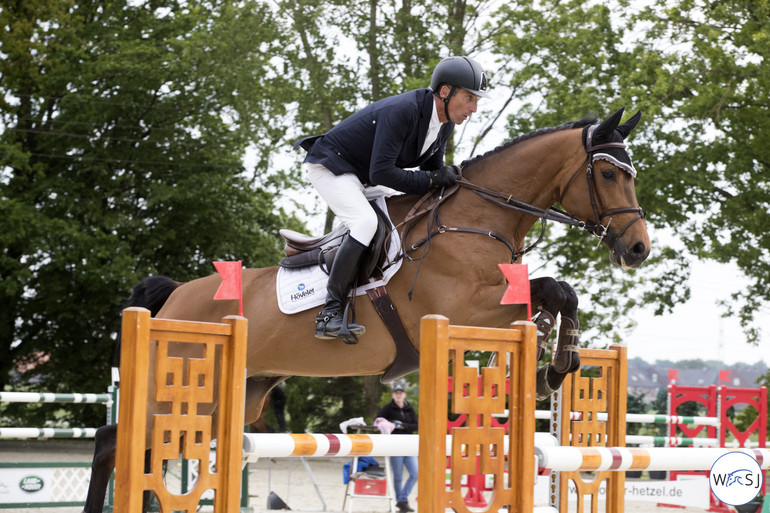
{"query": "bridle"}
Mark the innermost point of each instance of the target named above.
(597, 205)
(594, 227)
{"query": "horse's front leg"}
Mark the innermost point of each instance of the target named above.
(549, 299)
(566, 356)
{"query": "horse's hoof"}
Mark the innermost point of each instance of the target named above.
(542, 390)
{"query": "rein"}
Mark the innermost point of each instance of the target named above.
(428, 205)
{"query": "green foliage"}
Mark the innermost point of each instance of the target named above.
(562, 61)
(764, 381)
(319, 405)
(704, 74)
(126, 129)
(635, 404)
(744, 418)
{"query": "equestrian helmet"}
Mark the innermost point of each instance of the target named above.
(461, 72)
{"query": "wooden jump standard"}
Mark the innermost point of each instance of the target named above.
(477, 447)
(189, 387)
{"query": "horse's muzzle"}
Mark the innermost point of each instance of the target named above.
(629, 255)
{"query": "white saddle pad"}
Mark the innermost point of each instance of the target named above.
(300, 289)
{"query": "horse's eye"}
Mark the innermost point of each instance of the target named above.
(609, 174)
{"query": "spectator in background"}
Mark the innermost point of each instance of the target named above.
(402, 415)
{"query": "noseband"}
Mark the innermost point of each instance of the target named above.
(597, 205)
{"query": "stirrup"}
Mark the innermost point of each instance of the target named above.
(347, 332)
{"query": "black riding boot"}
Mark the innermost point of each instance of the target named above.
(331, 320)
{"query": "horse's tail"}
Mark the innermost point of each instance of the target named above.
(151, 293)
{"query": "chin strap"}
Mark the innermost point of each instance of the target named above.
(446, 101)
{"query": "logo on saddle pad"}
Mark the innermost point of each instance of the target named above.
(303, 293)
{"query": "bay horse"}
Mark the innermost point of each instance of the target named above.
(453, 268)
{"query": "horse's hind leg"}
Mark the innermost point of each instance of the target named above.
(101, 469)
(105, 447)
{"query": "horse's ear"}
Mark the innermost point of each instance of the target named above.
(629, 125)
(608, 126)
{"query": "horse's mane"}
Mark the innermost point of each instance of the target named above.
(535, 133)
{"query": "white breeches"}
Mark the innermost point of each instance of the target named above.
(349, 200)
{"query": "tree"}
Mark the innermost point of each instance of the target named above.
(126, 126)
(320, 404)
(635, 404)
(389, 49)
(561, 61)
(702, 70)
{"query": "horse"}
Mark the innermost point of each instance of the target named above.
(451, 251)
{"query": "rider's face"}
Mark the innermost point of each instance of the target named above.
(461, 105)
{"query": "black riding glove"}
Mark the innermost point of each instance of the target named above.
(443, 176)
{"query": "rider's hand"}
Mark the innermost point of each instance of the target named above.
(444, 176)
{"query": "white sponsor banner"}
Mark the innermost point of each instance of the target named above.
(44, 483)
(20, 485)
(693, 492)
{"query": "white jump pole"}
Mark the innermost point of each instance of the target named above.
(313, 445)
(47, 397)
(629, 458)
(24, 432)
(640, 418)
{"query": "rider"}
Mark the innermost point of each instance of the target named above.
(371, 148)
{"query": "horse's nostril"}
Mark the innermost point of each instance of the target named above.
(639, 249)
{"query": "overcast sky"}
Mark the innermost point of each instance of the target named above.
(697, 329)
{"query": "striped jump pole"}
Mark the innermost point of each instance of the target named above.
(566, 458)
(45, 397)
(47, 432)
(36, 397)
(48, 398)
(648, 418)
(671, 441)
(313, 445)
(640, 418)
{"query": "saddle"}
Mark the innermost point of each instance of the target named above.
(304, 251)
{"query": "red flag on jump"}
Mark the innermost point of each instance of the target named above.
(673, 375)
(231, 287)
(724, 376)
(518, 292)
